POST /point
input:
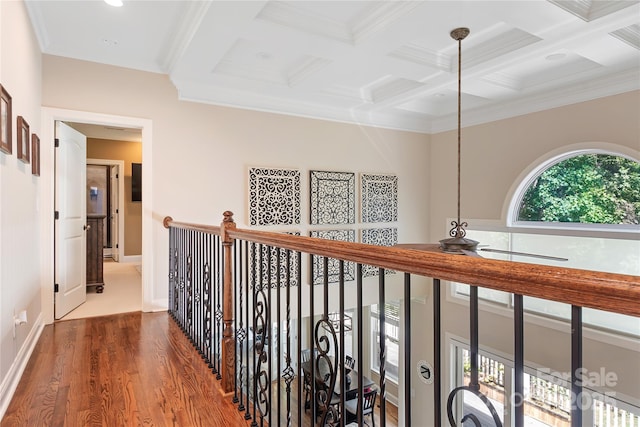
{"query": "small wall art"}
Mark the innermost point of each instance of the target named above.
(35, 155)
(379, 195)
(380, 237)
(5, 121)
(332, 197)
(274, 196)
(23, 139)
(333, 264)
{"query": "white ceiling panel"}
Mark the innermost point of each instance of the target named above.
(382, 63)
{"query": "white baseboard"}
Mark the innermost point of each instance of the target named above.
(11, 380)
(159, 304)
(132, 258)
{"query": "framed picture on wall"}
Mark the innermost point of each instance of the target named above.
(23, 139)
(136, 182)
(6, 119)
(35, 155)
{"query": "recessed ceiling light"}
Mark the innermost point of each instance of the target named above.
(114, 3)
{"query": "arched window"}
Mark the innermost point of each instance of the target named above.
(591, 188)
(582, 205)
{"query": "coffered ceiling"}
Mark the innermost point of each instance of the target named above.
(384, 63)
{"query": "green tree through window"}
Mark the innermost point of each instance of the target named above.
(588, 188)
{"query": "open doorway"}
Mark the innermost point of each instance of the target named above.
(105, 196)
(143, 127)
(112, 154)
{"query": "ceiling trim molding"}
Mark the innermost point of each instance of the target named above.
(189, 25)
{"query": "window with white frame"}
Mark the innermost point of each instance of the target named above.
(392, 339)
(547, 396)
(583, 206)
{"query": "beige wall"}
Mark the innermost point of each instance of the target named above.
(494, 157)
(201, 154)
(21, 242)
(129, 152)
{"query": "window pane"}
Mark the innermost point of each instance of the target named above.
(491, 380)
(587, 188)
(392, 331)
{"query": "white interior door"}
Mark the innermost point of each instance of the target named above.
(71, 208)
(115, 212)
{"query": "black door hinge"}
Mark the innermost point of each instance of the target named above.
(56, 215)
(56, 143)
(117, 246)
(117, 176)
(117, 211)
(56, 287)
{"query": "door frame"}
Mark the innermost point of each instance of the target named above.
(120, 164)
(49, 117)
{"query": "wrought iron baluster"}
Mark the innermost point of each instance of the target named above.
(172, 243)
(341, 353)
(518, 329)
(407, 348)
(437, 353)
(312, 337)
(383, 346)
(198, 295)
(301, 403)
(268, 333)
(239, 321)
(188, 328)
(206, 296)
(324, 345)
(474, 386)
(289, 373)
(360, 344)
(180, 276)
(218, 309)
(251, 283)
(257, 266)
(277, 344)
(576, 366)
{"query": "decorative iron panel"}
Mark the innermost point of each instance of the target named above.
(332, 197)
(379, 195)
(274, 196)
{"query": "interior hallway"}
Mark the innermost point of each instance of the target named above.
(122, 292)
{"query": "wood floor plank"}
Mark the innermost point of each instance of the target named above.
(133, 369)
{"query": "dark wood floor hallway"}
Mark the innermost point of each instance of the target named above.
(133, 369)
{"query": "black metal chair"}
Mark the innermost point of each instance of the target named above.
(349, 363)
(305, 356)
(368, 403)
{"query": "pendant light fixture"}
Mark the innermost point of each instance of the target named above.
(457, 243)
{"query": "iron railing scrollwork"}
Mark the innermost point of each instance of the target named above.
(268, 299)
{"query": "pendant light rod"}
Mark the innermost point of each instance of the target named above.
(459, 34)
(458, 243)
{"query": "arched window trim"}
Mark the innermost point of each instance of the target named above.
(580, 228)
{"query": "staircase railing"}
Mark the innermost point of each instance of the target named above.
(229, 286)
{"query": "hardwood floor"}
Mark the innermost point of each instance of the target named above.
(134, 369)
(131, 369)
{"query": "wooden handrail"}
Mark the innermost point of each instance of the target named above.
(619, 293)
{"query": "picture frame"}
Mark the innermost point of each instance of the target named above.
(6, 119)
(23, 139)
(35, 154)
